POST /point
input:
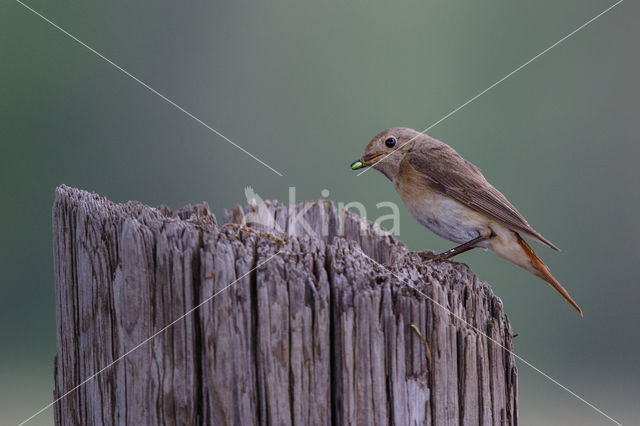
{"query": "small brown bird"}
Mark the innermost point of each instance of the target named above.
(451, 197)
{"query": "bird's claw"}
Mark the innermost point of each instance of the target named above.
(428, 255)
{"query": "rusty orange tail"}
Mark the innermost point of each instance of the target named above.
(542, 271)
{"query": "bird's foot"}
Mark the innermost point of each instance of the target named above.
(429, 256)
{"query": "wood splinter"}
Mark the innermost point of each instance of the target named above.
(426, 344)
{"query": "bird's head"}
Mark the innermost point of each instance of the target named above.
(386, 150)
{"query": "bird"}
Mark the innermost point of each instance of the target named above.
(451, 197)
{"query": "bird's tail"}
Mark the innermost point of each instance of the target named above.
(541, 270)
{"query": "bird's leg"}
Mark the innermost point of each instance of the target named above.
(456, 250)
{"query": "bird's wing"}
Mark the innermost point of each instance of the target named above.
(462, 181)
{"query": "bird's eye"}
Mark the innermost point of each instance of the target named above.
(391, 142)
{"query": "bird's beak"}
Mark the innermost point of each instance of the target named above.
(367, 160)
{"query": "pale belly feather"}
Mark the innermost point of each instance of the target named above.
(448, 218)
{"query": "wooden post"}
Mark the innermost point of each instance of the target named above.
(304, 327)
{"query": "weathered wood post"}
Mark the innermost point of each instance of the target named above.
(297, 325)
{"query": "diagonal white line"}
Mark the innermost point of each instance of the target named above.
(146, 86)
(493, 340)
(147, 340)
(501, 80)
(275, 171)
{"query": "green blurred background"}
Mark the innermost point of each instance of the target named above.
(304, 86)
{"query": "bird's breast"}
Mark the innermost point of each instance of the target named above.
(445, 216)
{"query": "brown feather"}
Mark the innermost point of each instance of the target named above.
(543, 272)
(444, 170)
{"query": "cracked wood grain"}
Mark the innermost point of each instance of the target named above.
(318, 335)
